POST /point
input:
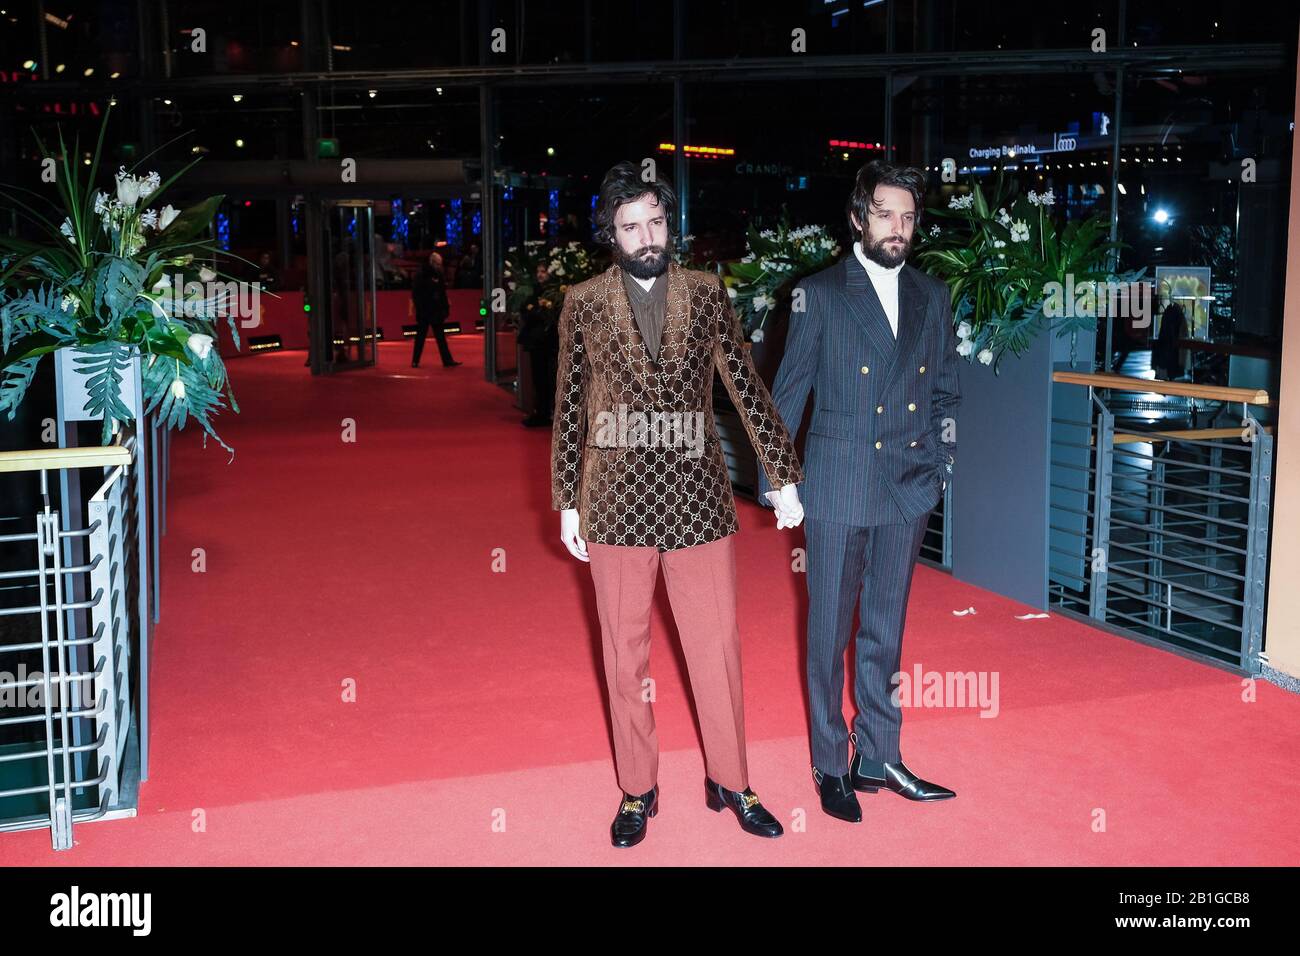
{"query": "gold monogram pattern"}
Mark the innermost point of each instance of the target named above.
(662, 497)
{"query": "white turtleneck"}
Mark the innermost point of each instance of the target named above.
(885, 282)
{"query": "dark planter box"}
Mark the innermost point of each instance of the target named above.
(1001, 489)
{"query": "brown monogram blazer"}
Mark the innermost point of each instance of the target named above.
(629, 488)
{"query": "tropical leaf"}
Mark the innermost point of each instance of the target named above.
(14, 380)
(103, 364)
(117, 287)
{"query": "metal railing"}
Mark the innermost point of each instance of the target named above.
(1163, 533)
(936, 545)
(71, 615)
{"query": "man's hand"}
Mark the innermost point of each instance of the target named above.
(789, 511)
(569, 534)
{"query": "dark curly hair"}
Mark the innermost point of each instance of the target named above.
(880, 173)
(623, 184)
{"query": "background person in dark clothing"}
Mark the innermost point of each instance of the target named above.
(429, 302)
(1165, 359)
(469, 275)
(539, 336)
(267, 278)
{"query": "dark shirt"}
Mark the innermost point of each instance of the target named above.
(649, 308)
(429, 292)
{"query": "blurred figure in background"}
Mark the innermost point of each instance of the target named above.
(539, 336)
(267, 277)
(1166, 357)
(429, 303)
(469, 275)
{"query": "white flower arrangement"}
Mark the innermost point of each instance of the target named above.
(109, 297)
(774, 260)
(1000, 255)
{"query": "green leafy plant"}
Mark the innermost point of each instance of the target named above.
(118, 277)
(1002, 257)
(565, 265)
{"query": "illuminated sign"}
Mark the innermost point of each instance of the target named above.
(708, 152)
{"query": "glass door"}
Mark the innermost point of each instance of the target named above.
(352, 304)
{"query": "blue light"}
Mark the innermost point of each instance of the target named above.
(476, 223)
(553, 212)
(452, 225)
(401, 224)
(223, 231)
(1161, 216)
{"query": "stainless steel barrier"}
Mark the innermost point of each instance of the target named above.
(1163, 533)
(68, 674)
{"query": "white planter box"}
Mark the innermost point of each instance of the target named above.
(71, 386)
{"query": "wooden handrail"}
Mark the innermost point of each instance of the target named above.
(1187, 434)
(1220, 393)
(50, 459)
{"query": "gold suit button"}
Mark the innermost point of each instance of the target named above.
(911, 406)
(877, 444)
(864, 370)
(913, 445)
(880, 409)
(921, 370)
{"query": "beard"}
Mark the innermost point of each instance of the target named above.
(887, 252)
(648, 262)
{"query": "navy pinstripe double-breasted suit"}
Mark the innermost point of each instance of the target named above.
(879, 444)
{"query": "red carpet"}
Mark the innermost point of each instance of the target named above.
(478, 733)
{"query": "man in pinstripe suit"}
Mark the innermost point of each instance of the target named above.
(872, 338)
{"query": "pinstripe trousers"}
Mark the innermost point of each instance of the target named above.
(872, 567)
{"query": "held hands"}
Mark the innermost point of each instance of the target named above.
(789, 514)
(569, 534)
(789, 511)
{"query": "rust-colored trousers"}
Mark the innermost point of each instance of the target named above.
(701, 583)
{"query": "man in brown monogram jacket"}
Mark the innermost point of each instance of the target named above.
(640, 480)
